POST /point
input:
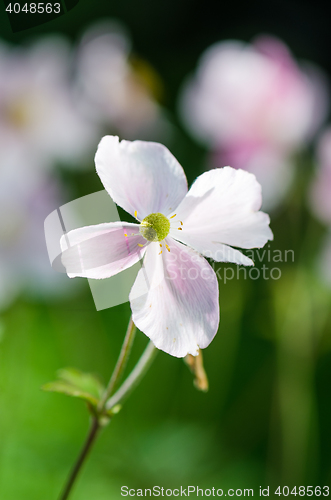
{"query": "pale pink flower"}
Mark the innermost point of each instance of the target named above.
(39, 125)
(37, 114)
(24, 265)
(174, 299)
(253, 104)
(110, 89)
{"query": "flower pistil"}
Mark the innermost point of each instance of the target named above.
(155, 227)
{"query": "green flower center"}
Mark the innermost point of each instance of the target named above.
(155, 227)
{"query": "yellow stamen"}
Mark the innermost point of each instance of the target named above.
(160, 252)
(132, 234)
(180, 229)
(135, 213)
(167, 247)
(181, 222)
(140, 245)
(173, 216)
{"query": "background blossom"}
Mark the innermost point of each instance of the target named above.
(55, 102)
(255, 108)
(37, 112)
(39, 128)
(114, 88)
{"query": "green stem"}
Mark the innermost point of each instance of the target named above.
(108, 400)
(135, 376)
(95, 426)
(120, 365)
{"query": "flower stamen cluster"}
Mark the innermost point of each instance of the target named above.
(155, 227)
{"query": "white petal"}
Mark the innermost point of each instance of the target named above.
(273, 169)
(140, 176)
(174, 299)
(101, 251)
(222, 208)
(224, 253)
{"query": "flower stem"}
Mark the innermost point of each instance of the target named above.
(135, 376)
(108, 401)
(120, 365)
(95, 426)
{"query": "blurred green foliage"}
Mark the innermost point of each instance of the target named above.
(265, 419)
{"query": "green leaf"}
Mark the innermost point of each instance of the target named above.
(87, 382)
(77, 384)
(69, 390)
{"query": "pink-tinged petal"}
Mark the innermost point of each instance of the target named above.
(222, 208)
(140, 176)
(224, 253)
(101, 251)
(174, 299)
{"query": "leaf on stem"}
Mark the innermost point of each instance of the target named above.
(77, 384)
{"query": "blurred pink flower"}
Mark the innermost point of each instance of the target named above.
(37, 113)
(320, 194)
(39, 125)
(255, 107)
(24, 263)
(114, 89)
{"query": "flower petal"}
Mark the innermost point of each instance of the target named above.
(222, 208)
(140, 176)
(101, 251)
(174, 299)
(224, 253)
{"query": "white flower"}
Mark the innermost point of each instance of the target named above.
(174, 299)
